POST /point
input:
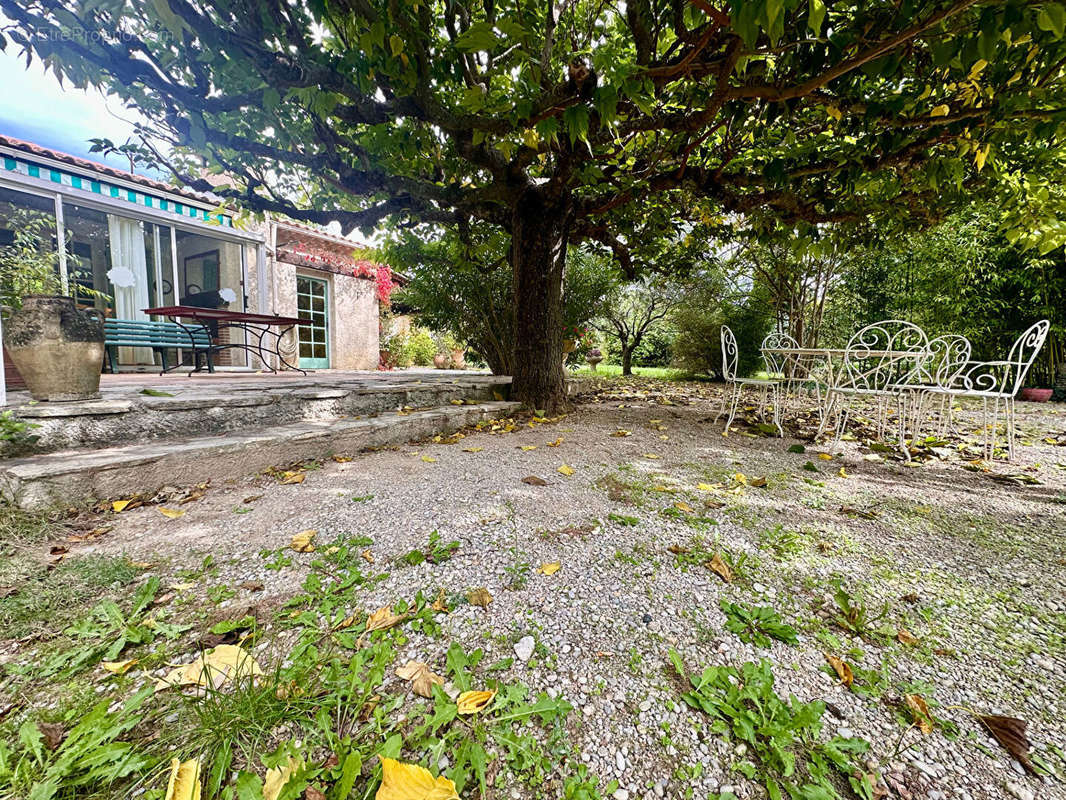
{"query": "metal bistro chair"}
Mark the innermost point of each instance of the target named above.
(948, 356)
(877, 361)
(767, 386)
(996, 383)
(782, 366)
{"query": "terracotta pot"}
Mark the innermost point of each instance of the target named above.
(57, 347)
(569, 346)
(1035, 395)
(440, 361)
(458, 359)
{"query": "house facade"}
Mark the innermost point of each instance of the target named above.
(139, 243)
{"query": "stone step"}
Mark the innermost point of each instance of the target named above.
(70, 477)
(191, 409)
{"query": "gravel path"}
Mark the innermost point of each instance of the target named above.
(971, 566)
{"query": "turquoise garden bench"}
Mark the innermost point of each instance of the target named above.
(160, 336)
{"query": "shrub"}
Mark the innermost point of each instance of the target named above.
(420, 347)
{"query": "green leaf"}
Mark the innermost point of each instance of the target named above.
(576, 120)
(1052, 18)
(396, 43)
(249, 786)
(816, 16)
(350, 769)
(479, 36)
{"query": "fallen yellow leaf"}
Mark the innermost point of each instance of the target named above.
(566, 470)
(341, 459)
(473, 449)
(473, 702)
(549, 568)
(184, 783)
(382, 619)
(681, 505)
(183, 587)
(368, 557)
(717, 565)
(825, 457)
(528, 447)
(622, 432)
(120, 505)
(904, 636)
(119, 667)
(293, 477)
(842, 669)
(649, 455)
(758, 483)
(171, 513)
(400, 781)
(556, 443)
(421, 677)
(213, 668)
(842, 473)
(303, 542)
(708, 487)
(479, 597)
(440, 605)
(277, 777)
(919, 712)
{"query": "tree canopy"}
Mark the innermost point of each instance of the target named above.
(552, 120)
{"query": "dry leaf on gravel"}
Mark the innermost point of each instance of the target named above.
(251, 499)
(473, 449)
(825, 457)
(556, 443)
(171, 513)
(919, 712)
(277, 777)
(681, 505)
(758, 483)
(213, 668)
(400, 781)
(621, 433)
(904, 636)
(1010, 733)
(293, 477)
(549, 568)
(382, 619)
(479, 597)
(303, 542)
(842, 669)
(473, 702)
(119, 506)
(341, 459)
(429, 459)
(528, 447)
(251, 586)
(440, 605)
(719, 567)
(420, 676)
(566, 470)
(53, 734)
(184, 782)
(367, 556)
(533, 480)
(119, 667)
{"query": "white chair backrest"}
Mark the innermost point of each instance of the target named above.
(884, 355)
(729, 354)
(948, 356)
(1024, 352)
(779, 364)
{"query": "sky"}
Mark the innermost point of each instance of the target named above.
(34, 107)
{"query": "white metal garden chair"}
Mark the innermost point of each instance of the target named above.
(769, 388)
(877, 362)
(948, 356)
(996, 383)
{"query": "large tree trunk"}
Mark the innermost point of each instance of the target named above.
(627, 360)
(539, 236)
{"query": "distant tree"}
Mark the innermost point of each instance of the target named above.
(635, 309)
(464, 287)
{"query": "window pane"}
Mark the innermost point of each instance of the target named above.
(28, 221)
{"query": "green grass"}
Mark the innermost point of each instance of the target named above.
(615, 371)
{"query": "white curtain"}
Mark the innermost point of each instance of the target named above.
(129, 279)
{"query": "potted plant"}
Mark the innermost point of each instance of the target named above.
(1035, 395)
(440, 361)
(594, 357)
(57, 347)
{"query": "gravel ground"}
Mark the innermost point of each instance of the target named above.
(971, 565)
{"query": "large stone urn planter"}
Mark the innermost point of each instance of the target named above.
(57, 347)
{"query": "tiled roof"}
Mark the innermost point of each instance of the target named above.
(102, 169)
